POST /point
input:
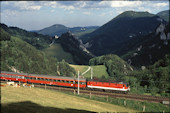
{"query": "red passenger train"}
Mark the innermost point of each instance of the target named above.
(63, 81)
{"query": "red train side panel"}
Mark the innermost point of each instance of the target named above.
(108, 86)
(43, 79)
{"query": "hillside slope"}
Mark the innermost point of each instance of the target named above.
(164, 15)
(147, 50)
(56, 50)
(37, 40)
(19, 56)
(112, 35)
(35, 100)
(74, 46)
(115, 66)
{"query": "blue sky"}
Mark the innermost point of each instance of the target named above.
(35, 15)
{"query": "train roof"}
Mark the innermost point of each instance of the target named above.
(47, 76)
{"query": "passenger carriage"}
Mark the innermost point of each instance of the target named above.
(63, 81)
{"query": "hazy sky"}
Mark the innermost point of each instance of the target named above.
(35, 15)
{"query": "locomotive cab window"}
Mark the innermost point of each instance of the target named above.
(83, 83)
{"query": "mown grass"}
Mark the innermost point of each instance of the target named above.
(57, 51)
(98, 71)
(36, 100)
(132, 104)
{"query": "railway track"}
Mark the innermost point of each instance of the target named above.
(114, 95)
(106, 94)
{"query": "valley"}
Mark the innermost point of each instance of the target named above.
(133, 47)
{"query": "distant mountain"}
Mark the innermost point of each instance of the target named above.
(113, 35)
(53, 30)
(59, 29)
(164, 15)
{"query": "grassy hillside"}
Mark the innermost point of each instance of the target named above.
(99, 71)
(57, 51)
(35, 100)
(17, 54)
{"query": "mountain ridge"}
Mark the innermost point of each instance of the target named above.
(109, 37)
(59, 29)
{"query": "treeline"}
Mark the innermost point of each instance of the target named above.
(116, 67)
(18, 55)
(153, 79)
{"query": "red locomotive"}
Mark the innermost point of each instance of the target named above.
(63, 81)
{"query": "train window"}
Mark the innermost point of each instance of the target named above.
(34, 78)
(38, 78)
(55, 80)
(46, 79)
(71, 82)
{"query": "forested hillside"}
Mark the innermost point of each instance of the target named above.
(18, 55)
(153, 79)
(74, 46)
(147, 50)
(116, 67)
(114, 34)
